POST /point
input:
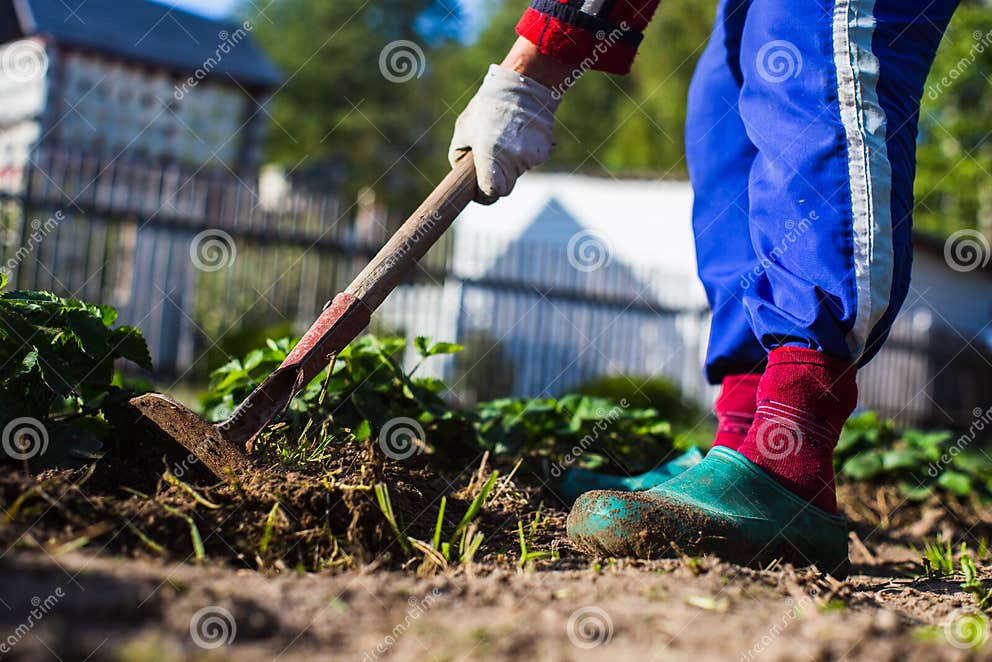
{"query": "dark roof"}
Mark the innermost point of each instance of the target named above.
(148, 32)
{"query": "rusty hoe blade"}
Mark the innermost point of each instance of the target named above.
(222, 446)
(201, 439)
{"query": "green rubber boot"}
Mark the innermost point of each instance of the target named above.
(726, 506)
(576, 482)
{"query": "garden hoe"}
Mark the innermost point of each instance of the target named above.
(222, 446)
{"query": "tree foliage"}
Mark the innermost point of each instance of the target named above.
(954, 173)
(339, 123)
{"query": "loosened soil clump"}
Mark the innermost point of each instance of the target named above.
(151, 504)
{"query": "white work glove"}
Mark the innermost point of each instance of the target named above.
(508, 126)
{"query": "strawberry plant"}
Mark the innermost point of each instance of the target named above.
(57, 375)
(363, 391)
(367, 390)
(921, 462)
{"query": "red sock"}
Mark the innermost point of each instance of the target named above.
(734, 409)
(804, 397)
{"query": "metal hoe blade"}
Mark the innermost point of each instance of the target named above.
(201, 439)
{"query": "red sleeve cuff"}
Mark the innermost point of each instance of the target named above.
(608, 48)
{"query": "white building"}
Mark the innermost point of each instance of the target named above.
(134, 79)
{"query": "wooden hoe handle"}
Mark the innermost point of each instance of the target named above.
(349, 313)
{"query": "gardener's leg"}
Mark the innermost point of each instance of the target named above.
(719, 154)
(830, 98)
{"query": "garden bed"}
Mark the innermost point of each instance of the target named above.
(381, 519)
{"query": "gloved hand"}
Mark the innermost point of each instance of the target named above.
(508, 126)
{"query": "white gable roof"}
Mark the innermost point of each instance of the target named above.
(646, 221)
(645, 225)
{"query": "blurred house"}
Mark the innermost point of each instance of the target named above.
(573, 277)
(132, 80)
(603, 274)
(567, 279)
(937, 362)
(141, 126)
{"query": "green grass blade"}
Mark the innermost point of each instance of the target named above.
(386, 506)
(477, 503)
(194, 533)
(436, 541)
(523, 543)
(472, 548)
(143, 537)
(270, 523)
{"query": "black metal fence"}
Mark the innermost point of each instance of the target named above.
(205, 265)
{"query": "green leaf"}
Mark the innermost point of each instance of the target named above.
(444, 348)
(88, 330)
(975, 463)
(431, 384)
(915, 492)
(254, 358)
(128, 343)
(12, 368)
(363, 431)
(55, 371)
(955, 482)
(282, 346)
(901, 459)
(862, 466)
(928, 444)
(106, 314)
(29, 362)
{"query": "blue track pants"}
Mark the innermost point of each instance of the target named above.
(801, 139)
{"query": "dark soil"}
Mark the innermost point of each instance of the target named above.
(305, 565)
(159, 506)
